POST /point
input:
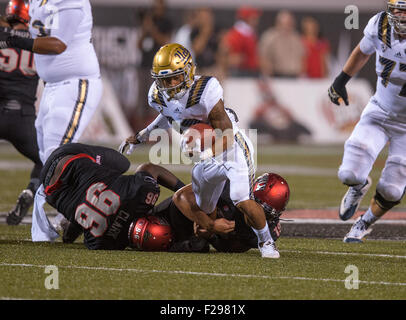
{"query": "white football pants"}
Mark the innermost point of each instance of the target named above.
(237, 165)
(65, 110)
(369, 137)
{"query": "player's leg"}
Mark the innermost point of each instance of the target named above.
(23, 137)
(360, 152)
(390, 188)
(73, 105)
(242, 175)
(198, 200)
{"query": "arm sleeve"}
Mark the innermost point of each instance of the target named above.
(160, 122)
(64, 28)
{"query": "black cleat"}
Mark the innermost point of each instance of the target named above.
(24, 202)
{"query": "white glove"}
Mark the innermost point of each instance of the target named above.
(124, 146)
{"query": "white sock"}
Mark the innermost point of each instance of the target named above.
(263, 235)
(369, 217)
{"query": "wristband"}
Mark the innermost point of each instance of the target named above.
(22, 43)
(343, 78)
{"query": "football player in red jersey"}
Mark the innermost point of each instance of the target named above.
(18, 88)
(271, 191)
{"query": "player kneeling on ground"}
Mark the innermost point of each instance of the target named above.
(88, 186)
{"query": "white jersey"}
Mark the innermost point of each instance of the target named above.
(194, 107)
(71, 22)
(380, 37)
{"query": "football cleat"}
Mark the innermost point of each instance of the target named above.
(24, 202)
(358, 231)
(352, 199)
(269, 250)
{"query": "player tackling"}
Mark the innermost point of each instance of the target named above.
(382, 121)
(184, 99)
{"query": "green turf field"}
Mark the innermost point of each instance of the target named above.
(307, 269)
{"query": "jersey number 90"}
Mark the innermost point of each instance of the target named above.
(11, 60)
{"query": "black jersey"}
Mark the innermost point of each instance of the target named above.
(239, 240)
(18, 77)
(93, 193)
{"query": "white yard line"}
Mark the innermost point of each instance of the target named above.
(349, 254)
(204, 274)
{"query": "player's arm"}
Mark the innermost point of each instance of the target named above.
(160, 122)
(4, 22)
(354, 64)
(185, 200)
(162, 176)
(224, 137)
(53, 41)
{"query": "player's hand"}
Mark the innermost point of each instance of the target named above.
(130, 143)
(223, 226)
(275, 228)
(201, 232)
(4, 22)
(338, 91)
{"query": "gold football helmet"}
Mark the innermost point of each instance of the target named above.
(398, 22)
(173, 70)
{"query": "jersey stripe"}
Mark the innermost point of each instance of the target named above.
(248, 158)
(197, 90)
(44, 2)
(384, 30)
(158, 98)
(77, 112)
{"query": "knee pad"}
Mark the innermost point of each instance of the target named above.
(391, 185)
(349, 177)
(357, 163)
(383, 203)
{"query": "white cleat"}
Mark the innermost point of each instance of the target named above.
(358, 231)
(352, 199)
(269, 250)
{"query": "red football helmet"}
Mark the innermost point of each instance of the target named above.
(18, 10)
(272, 192)
(150, 233)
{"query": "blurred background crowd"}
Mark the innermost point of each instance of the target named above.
(275, 63)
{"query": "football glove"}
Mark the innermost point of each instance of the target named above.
(337, 90)
(131, 143)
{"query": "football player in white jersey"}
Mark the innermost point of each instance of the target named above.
(66, 61)
(383, 120)
(183, 99)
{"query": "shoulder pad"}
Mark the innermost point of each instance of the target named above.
(196, 90)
